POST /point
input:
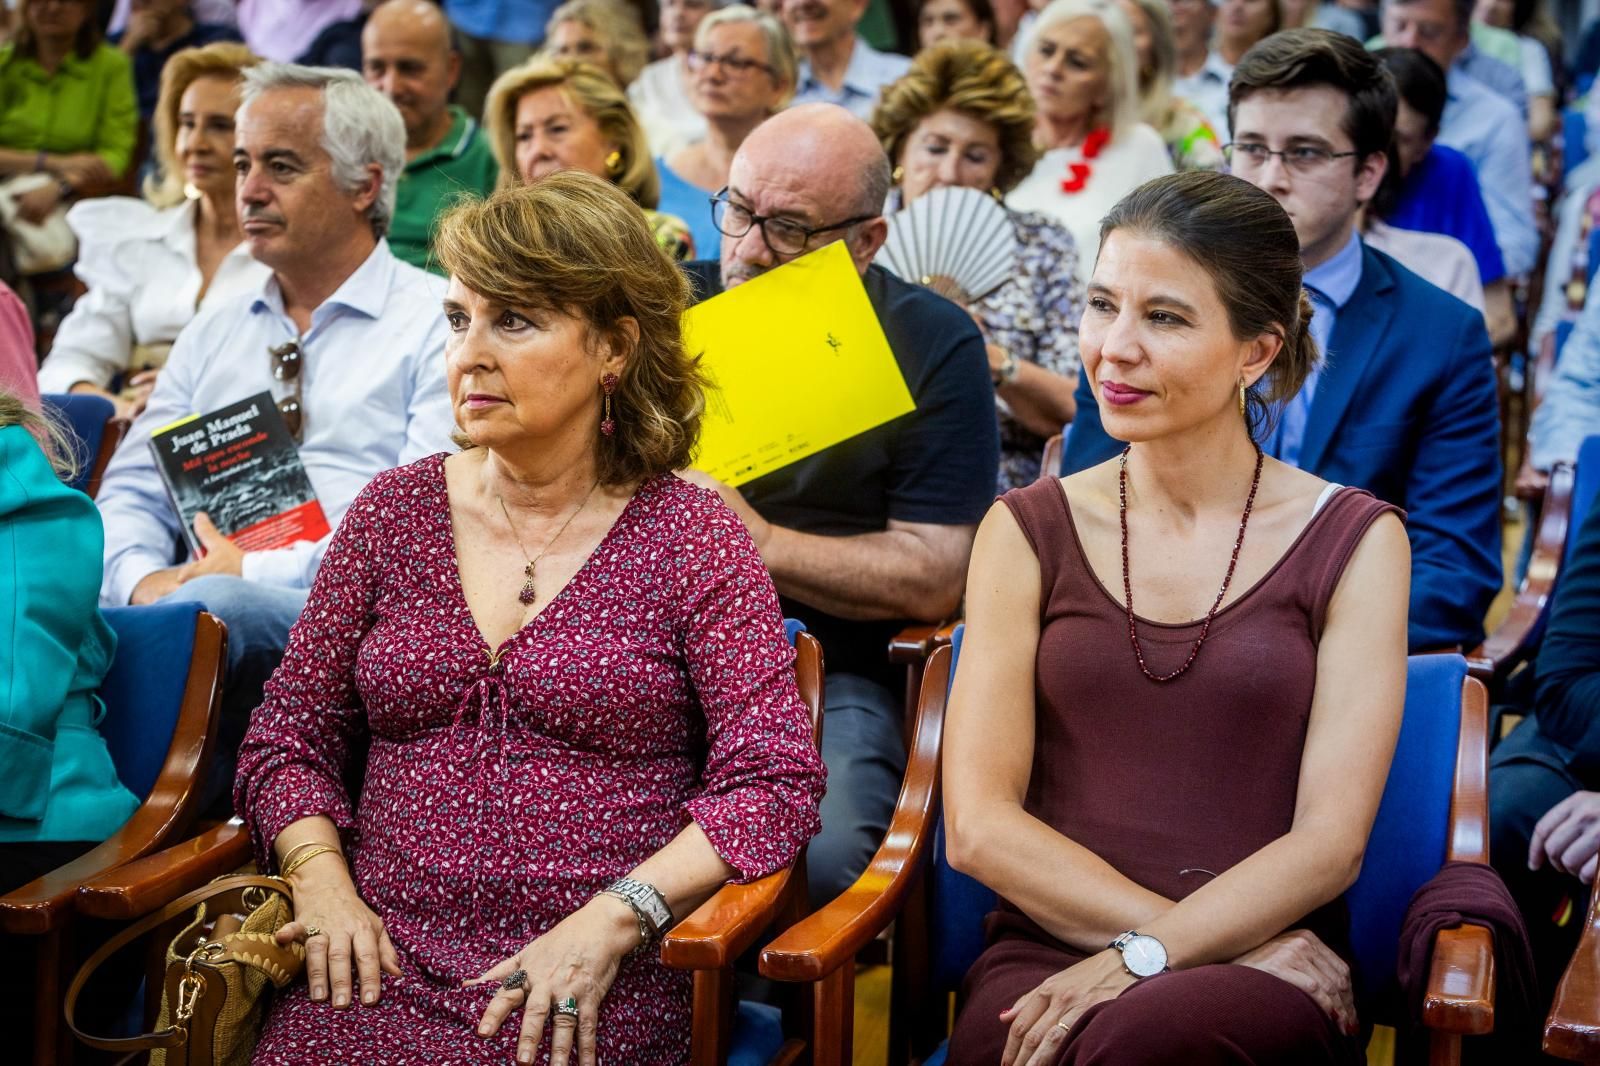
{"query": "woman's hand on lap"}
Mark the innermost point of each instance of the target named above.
(349, 933)
(1041, 1019)
(1304, 961)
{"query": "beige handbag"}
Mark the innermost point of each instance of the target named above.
(215, 996)
(37, 248)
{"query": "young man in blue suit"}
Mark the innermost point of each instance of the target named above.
(1404, 404)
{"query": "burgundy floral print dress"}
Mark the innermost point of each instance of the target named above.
(485, 794)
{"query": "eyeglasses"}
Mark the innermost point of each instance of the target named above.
(286, 360)
(1302, 159)
(782, 236)
(733, 64)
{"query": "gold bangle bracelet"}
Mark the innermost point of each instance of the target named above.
(288, 858)
(321, 849)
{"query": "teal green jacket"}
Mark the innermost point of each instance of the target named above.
(58, 782)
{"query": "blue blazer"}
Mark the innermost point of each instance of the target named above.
(1407, 409)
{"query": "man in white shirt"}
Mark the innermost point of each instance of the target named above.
(1202, 75)
(836, 66)
(318, 155)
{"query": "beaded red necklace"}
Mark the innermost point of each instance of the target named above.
(1079, 172)
(1127, 580)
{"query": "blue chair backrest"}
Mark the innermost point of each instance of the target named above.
(1593, 262)
(1585, 483)
(956, 902)
(1563, 334)
(1409, 837)
(87, 415)
(793, 627)
(1574, 139)
(143, 690)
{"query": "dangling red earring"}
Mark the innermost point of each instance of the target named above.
(609, 384)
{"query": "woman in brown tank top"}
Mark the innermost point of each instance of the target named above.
(1131, 754)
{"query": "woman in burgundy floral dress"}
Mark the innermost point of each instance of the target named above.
(540, 701)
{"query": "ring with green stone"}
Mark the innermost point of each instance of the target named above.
(568, 1006)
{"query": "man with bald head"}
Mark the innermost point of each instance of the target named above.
(406, 55)
(873, 533)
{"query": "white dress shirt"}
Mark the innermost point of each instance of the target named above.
(660, 97)
(866, 75)
(373, 397)
(141, 268)
(1207, 89)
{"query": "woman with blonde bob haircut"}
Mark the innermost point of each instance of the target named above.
(151, 265)
(1081, 67)
(605, 33)
(557, 114)
(962, 116)
(571, 665)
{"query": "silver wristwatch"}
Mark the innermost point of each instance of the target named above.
(648, 905)
(1143, 956)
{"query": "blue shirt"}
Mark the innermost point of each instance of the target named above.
(513, 21)
(692, 204)
(372, 391)
(1441, 195)
(1570, 409)
(1331, 284)
(1489, 131)
(869, 71)
(1496, 75)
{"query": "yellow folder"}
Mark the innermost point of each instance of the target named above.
(797, 362)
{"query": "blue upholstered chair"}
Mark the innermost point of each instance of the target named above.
(97, 430)
(162, 697)
(1434, 809)
(707, 942)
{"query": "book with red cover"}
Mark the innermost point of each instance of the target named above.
(241, 467)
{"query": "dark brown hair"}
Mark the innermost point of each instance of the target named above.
(88, 39)
(1245, 241)
(575, 244)
(1303, 59)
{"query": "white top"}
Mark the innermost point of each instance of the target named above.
(660, 97)
(1207, 89)
(1434, 257)
(139, 265)
(374, 397)
(1536, 72)
(1122, 166)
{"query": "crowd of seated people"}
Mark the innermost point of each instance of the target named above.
(1274, 261)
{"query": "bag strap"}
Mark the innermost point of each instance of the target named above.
(172, 1036)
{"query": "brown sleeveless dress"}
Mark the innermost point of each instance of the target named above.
(1171, 784)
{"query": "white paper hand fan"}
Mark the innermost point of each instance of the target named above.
(958, 242)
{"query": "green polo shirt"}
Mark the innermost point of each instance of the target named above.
(87, 105)
(461, 164)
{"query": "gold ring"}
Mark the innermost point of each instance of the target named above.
(312, 931)
(1063, 1026)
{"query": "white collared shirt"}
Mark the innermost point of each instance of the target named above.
(1207, 89)
(864, 79)
(660, 97)
(141, 268)
(373, 397)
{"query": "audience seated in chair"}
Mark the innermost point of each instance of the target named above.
(406, 55)
(1191, 141)
(875, 531)
(663, 93)
(606, 34)
(567, 749)
(1199, 74)
(347, 338)
(493, 36)
(1144, 790)
(837, 66)
(156, 31)
(151, 265)
(1404, 405)
(1569, 409)
(282, 30)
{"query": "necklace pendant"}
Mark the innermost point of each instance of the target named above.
(527, 596)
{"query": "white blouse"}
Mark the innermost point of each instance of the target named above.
(139, 264)
(660, 98)
(1132, 159)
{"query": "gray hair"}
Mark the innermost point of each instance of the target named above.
(360, 127)
(780, 48)
(1122, 60)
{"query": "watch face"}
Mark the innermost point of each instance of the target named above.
(1144, 956)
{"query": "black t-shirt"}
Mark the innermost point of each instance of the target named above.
(934, 466)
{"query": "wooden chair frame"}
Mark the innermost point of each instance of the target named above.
(44, 908)
(708, 942)
(820, 950)
(110, 438)
(1572, 1028)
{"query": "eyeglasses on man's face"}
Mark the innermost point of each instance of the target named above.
(1301, 159)
(783, 236)
(730, 62)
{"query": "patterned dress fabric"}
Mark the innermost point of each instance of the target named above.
(1191, 141)
(1034, 316)
(500, 790)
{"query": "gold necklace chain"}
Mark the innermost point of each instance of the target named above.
(528, 595)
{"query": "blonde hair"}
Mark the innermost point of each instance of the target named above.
(587, 87)
(1155, 99)
(574, 244)
(1122, 60)
(57, 441)
(975, 79)
(780, 47)
(225, 59)
(616, 24)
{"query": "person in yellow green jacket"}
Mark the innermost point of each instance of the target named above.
(59, 794)
(67, 105)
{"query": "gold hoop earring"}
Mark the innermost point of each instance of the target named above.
(999, 197)
(1242, 408)
(614, 163)
(897, 174)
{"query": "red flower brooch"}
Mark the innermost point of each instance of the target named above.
(1079, 172)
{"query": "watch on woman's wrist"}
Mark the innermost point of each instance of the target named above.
(1143, 956)
(649, 906)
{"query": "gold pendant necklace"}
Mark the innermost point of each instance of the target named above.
(528, 594)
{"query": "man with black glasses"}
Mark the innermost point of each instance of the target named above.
(873, 532)
(348, 339)
(1404, 403)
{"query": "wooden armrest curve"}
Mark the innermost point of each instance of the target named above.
(150, 883)
(1516, 637)
(724, 926)
(1461, 979)
(1572, 1029)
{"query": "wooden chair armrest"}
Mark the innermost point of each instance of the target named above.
(724, 926)
(912, 645)
(1572, 1029)
(1517, 636)
(1469, 795)
(821, 943)
(1460, 995)
(141, 887)
(165, 815)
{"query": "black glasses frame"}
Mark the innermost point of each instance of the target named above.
(1323, 156)
(287, 359)
(719, 211)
